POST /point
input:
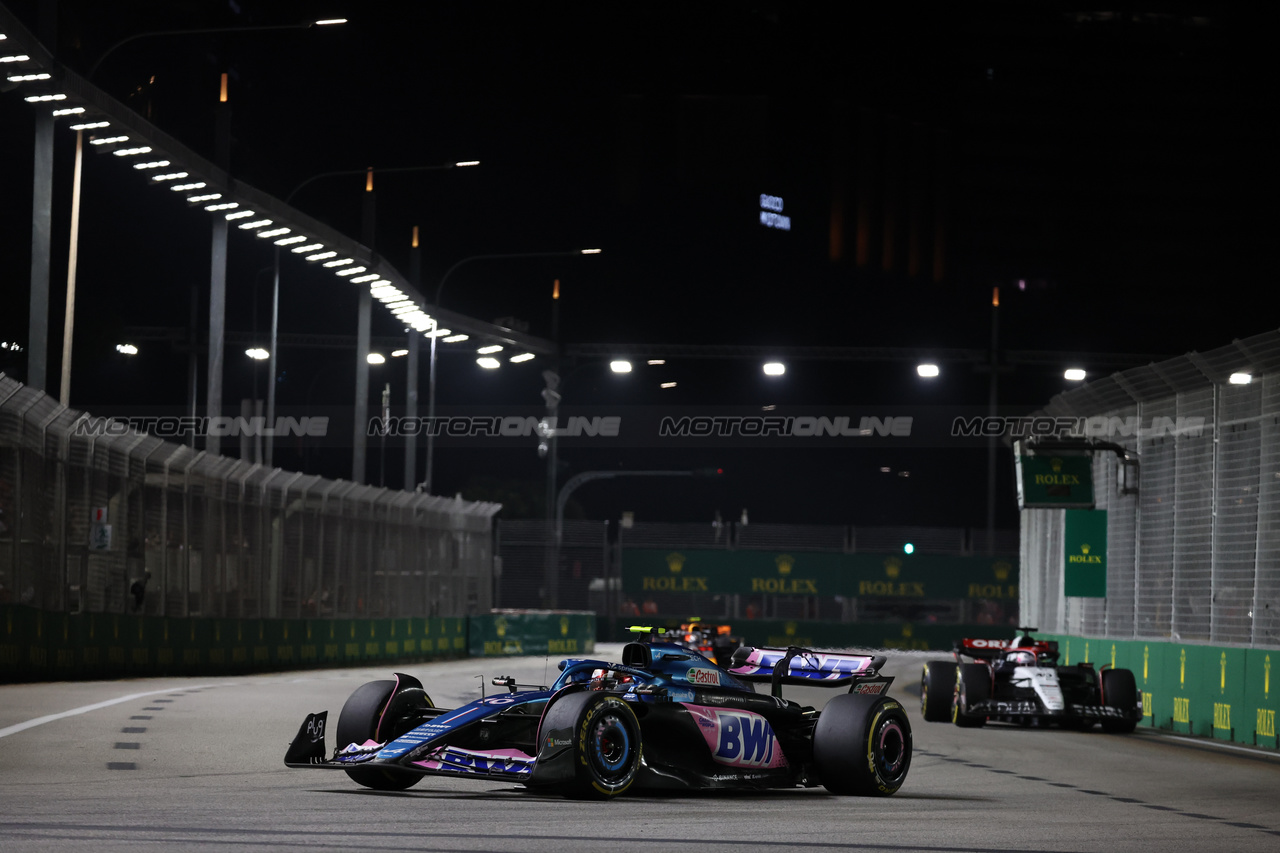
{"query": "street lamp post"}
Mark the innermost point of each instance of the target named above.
(553, 571)
(991, 411)
(547, 446)
(431, 381)
(367, 236)
(44, 140)
(305, 25)
(411, 371)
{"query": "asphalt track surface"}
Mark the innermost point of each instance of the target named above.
(198, 764)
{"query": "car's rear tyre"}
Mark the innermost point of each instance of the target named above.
(973, 685)
(937, 690)
(862, 745)
(1119, 690)
(373, 713)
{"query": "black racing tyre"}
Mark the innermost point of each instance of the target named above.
(862, 745)
(606, 742)
(1119, 690)
(937, 690)
(973, 685)
(371, 713)
(608, 747)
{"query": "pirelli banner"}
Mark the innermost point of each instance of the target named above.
(646, 571)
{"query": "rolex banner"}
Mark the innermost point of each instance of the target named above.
(1051, 481)
(1084, 558)
(646, 571)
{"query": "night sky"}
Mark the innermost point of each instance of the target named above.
(1110, 171)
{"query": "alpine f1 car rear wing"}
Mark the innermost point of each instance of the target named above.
(805, 667)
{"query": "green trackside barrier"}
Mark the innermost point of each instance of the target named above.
(1211, 691)
(532, 632)
(1259, 701)
(37, 645)
(779, 633)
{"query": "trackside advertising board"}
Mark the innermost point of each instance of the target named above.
(646, 571)
(533, 632)
(1084, 554)
(38, 645)
(1055, 481)
(1210, 691)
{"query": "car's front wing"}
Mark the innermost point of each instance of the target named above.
(1032, 708)
(307, 750)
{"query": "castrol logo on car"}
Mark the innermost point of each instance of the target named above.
(706, 677)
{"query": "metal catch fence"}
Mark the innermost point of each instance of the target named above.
(113, 521)
(1194, 555)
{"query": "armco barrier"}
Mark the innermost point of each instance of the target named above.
(840, 635)
(532, 632)
(1212, 691)
(39, 645)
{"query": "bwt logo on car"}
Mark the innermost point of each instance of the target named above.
(746, 740)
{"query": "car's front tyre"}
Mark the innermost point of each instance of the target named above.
(1120, 691)
(937, 687)
(606, 742)
(609, 747)
(376, 711)
(973, 685)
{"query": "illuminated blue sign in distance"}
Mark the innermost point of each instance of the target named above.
(771, 213)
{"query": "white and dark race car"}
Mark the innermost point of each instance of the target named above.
(662, 717)
(1019, 681)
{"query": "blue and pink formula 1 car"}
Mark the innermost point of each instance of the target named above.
(665, 717)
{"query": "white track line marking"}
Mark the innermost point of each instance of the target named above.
(1213, 743)
(40, 721)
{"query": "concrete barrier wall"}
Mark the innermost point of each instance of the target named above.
(1212, 691)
